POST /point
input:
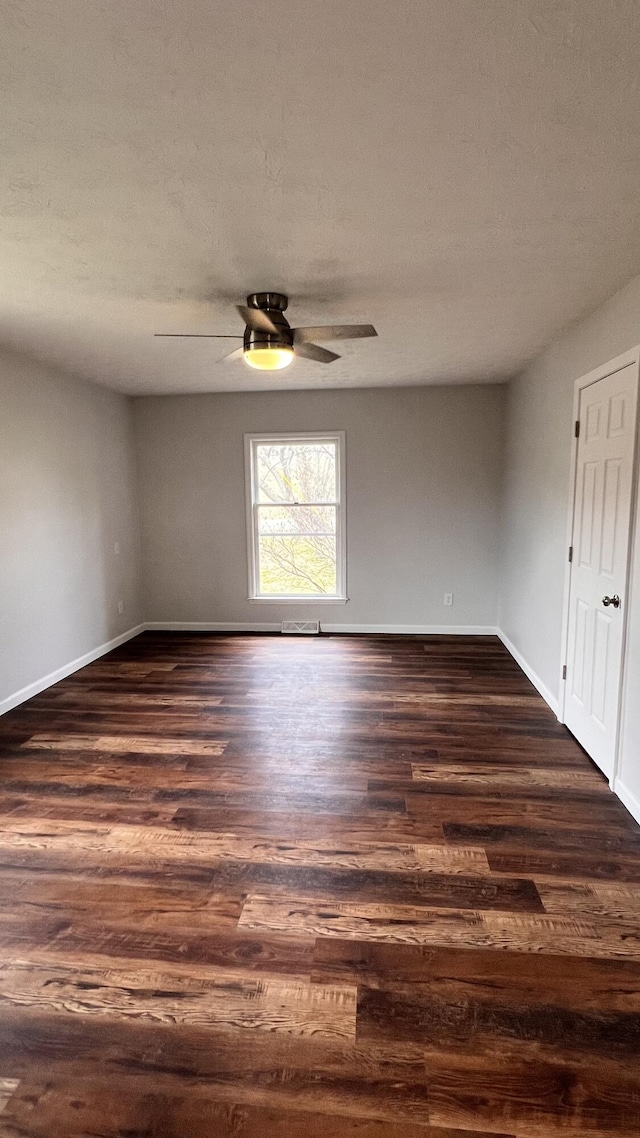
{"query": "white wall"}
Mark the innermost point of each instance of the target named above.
(536, 492)
(67, 494)
(423, 483)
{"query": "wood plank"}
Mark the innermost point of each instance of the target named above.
(129, 840)
(586, 982)
(410, 924)
(227, 1001)
(437, 890)
(582, 863)
(456, 998)
(535, 1098)
(119, 744)
(216, 947)
(491, 775)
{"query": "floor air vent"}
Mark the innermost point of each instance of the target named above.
(301, 627)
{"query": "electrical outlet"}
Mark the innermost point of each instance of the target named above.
(121, 607)
(448, 599)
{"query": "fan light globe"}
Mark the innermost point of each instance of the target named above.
(268, 359)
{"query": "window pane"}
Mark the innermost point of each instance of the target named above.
(296, 472)
(292, 520)
(302, 564)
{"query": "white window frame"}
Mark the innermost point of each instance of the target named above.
(285, 437)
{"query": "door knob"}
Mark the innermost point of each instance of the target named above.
(615, 601)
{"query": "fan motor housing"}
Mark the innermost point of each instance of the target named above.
(268, 301)
(274, 304)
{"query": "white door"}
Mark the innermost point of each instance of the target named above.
(600, 552)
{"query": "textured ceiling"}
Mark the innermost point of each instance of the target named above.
(462, 173)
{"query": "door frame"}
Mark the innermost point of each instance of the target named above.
(632, 357)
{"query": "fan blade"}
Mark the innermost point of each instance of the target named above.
(256, 319)
(313, 352)
(333, 332)
(237, 355)
(193, 336)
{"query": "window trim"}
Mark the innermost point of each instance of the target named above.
(250, 443)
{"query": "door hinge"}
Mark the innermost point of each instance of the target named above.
(564, 671)
(570, 553)
(577, 429)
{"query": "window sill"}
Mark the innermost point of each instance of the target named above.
(298, 600)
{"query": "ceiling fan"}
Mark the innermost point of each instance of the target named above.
(269, 343)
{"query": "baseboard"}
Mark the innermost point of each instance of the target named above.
(67, 670)
(210, 626)
(627, 799)
(529, 673)
(412, 629)
(381, 629)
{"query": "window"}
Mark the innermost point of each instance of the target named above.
(296, 517)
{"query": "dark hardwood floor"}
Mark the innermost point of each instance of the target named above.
(256, 887)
